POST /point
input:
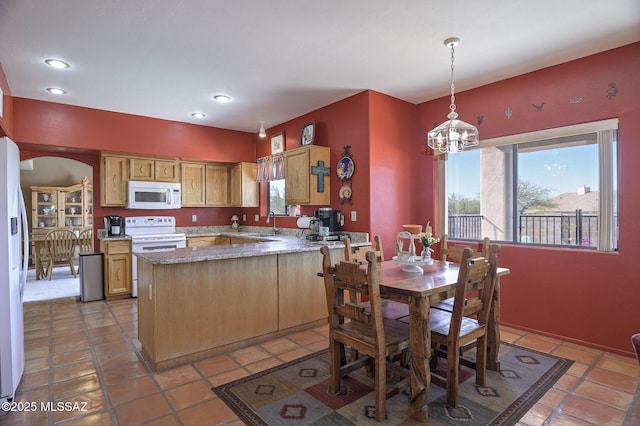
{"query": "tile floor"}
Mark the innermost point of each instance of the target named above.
(87, 352)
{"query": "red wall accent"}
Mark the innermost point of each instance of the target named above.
(580, 295)
(6, 122)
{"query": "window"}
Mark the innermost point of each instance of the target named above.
(276, 197)
(555, 187)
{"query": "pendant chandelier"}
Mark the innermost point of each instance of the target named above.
(453, 135)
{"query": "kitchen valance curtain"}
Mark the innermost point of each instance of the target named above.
(270, 168)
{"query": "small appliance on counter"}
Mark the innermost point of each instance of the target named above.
(113, 226)
(326, 225)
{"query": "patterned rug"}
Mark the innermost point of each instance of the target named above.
(295, 393)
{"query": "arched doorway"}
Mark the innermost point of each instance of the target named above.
(52, 173)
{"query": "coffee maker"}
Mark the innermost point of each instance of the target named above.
(326, 225)
(113, 226)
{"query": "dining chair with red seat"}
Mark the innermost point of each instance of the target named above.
(366, 331)
(453, 330)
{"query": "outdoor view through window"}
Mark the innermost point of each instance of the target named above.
(545, 192)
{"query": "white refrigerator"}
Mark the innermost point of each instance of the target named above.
(14, 243)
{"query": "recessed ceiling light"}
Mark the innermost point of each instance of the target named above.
(56, 91)
(57, 63)
(198, 115)
(222, 98)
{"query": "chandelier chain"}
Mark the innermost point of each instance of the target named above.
(453, 87)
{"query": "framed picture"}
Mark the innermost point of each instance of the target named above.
(308, 132)
(277, 143)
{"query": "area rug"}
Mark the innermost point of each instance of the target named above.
(62, 284)
(295, 393)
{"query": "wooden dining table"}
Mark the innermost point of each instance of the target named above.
(419, 291)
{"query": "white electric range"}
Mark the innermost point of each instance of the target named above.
(151, 234)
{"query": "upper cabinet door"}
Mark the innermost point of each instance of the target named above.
(141, 169)
(307, 176)
(114, 176)
(193, 184)
(167, 171)
(217, 185)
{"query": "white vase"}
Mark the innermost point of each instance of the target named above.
(426, 254)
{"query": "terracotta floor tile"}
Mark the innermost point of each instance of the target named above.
(212, 412)
(80, 405)
(278, 346)
(190, 394)
(536, 416)
(613, 379)
(111, 348)
(108, 329)
(609, 396)
(132, 389)
(59, 348)
(262, 365)
(77, 386)
(168, 420)
(216, 365)
(36, 352)
(538, 343)
(306, 337)
(564, 419)
(628, 366)
(575, 354)
(295, 354)
(116, 361)
(599, 414)
(228, 376)
(106, 338)
(98, 419)
(249, 355)
(36, 364)
(566, 383)
(578, 369)
(143, 409)
(318, 346)
(125, 372)
(176, 376)
(71, 357)
(34, 380)
(553, 398)
(634, 421)
(71, 371)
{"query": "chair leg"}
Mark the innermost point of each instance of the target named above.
(73, 268)
(50, 268)
(481, 360)
(334, 350)
(381, 387)
(453, 364)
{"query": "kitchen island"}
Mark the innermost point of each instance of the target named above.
(200, 301)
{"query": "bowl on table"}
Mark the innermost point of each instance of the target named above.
(412, 229)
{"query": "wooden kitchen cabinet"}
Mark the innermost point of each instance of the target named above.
(149, 169)
(209, 240)
(244, 188)
(217, 185)
(55, 207)
(117, 268)
(193, 184)
(307, 172)
(114, 174)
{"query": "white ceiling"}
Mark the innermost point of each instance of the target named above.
(279, 59)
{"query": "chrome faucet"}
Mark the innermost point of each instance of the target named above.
(269, 216)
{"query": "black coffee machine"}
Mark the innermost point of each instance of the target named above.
(326, 225)
(113, 226)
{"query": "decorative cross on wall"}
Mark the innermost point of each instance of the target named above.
(320, 171)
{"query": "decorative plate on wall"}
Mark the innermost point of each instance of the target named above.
(345, 168)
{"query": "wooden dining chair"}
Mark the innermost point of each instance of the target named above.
(453, 330)
(453, 253)
(366, 331)
(61, 246)
(85, 241)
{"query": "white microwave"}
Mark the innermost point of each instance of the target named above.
(153, 195)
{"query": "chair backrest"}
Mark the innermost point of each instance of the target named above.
(353, 277)
(358, 254)
(85, 241)
(61, 244)
(453, 253)
(476, 274)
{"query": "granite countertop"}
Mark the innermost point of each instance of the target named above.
(268, 245)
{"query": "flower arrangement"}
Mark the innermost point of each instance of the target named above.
(426, 238)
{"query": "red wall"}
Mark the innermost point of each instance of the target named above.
(580, 295)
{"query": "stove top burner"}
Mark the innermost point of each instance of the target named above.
(333, 236)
